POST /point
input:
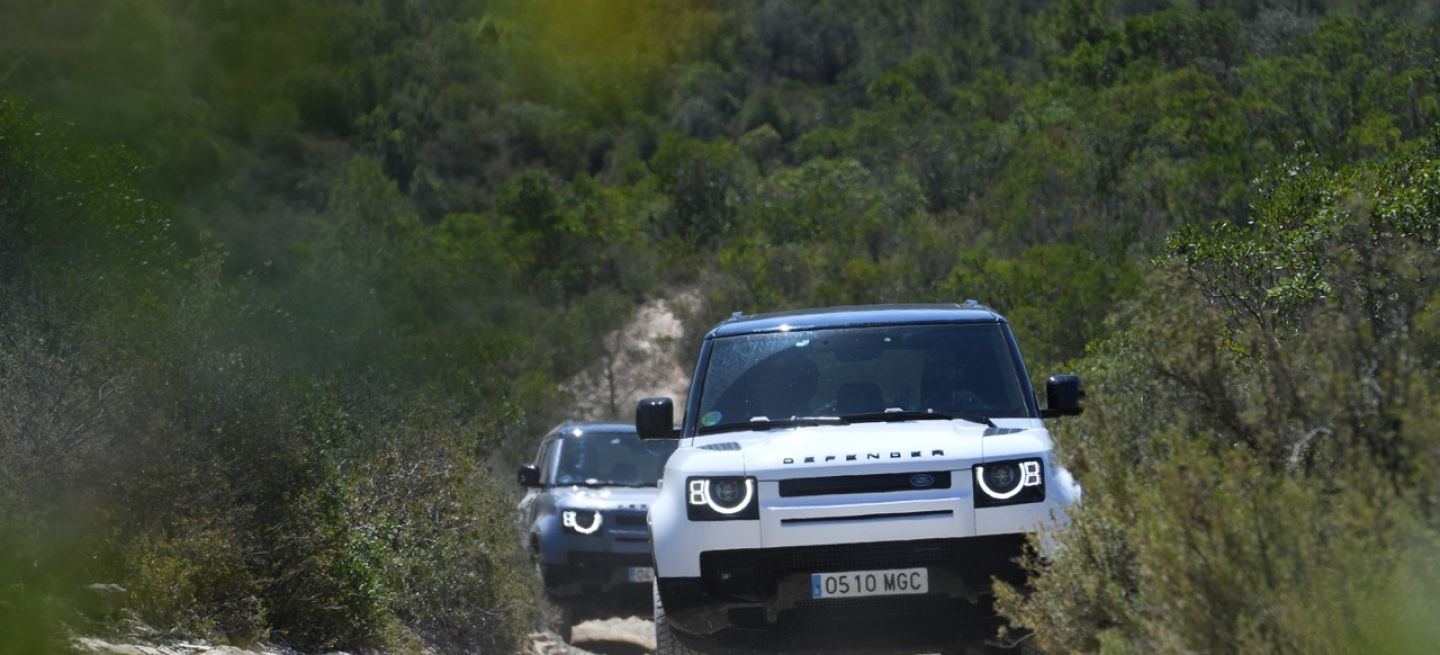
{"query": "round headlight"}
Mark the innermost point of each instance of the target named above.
(722, 495)
(727, 493)
(1001, 478)
(1005, 480)
(721, 498)
(582, 522)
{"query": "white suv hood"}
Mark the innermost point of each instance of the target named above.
(864, 448)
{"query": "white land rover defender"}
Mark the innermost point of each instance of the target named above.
(851, 478)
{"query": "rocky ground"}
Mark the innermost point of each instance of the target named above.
(629, 636)
(146, 646)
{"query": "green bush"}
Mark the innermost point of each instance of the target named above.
(197, 582)
(1258, 456)
(163, 432)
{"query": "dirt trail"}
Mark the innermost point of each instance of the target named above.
(629, 636)
(640, 359)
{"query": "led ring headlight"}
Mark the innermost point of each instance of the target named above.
(1010, 482)
(717, 499)
(700, 494)
(570, 519)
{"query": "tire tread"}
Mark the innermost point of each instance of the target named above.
(666, 641)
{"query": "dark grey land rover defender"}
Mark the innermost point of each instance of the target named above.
(584, 518)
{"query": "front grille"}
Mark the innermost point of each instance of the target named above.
(818, 520)
(630, 520)
(598, 566)
(865, 484)
(752, 574)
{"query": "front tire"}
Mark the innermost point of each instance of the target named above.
(666, 641)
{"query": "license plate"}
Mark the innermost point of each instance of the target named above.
(856, 584)
(641, 574)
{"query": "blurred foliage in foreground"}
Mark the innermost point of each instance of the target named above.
(287, 288)
(156, 436)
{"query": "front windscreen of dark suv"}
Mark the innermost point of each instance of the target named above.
(603, 460)
(911, 371)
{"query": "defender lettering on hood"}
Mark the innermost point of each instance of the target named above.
(851, 457)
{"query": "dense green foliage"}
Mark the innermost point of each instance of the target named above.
(1275, 388)
(287, 288)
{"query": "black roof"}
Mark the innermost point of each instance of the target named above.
(857, 316)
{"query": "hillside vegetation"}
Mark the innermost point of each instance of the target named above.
(286, 289)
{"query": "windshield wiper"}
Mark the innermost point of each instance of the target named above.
(763, 423)
(913, 415)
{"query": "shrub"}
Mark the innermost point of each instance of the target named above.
(1259, 459)
(196, 581)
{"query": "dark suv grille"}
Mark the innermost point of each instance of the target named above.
(752, 574)
(630, 520)
(600, 566)
(865, 484)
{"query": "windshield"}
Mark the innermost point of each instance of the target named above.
(619, 460)
(960, 370)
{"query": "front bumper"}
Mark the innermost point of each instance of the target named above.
(839, 518)
(753, 597)
(594, 570)
(591, 575)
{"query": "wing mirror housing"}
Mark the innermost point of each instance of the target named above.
(655, 419)
(528, 475)
(1062, 396)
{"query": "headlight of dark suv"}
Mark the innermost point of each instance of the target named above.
(581, 521)
(722, 499)
(1009, 483)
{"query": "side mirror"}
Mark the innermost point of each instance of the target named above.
(655, 418)
(528, 475)
(1062, 396)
